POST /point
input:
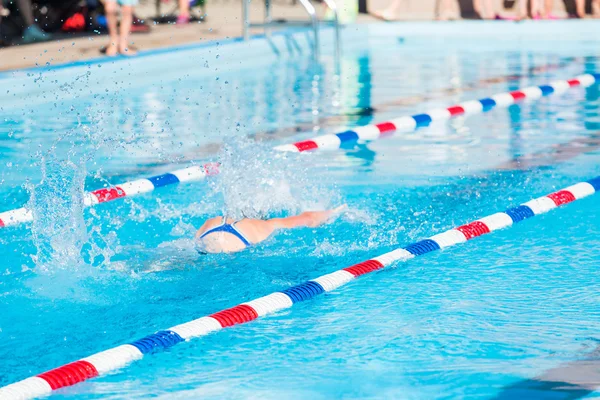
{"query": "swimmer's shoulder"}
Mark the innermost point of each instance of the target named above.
(256, 230)
(209, 224)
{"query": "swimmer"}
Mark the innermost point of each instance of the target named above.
(225, 235)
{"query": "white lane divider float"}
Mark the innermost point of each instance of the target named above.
(116, 358)
(326, 142)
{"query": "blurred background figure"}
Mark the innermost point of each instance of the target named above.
(534, 12)
(391, 12)
(119, 35)
(547, 10)
(579, 8)
(583, 7)
(31, 32)
(485, 8)
(444, 9)
(2, 41)
(30, 21)
(184, 12)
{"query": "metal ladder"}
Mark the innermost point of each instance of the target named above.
(314, 22)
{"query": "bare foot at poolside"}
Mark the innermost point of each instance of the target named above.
(111, 50)
(521, 17)
(384, 15)
(127, 50)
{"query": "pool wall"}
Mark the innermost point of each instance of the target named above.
(99, 75)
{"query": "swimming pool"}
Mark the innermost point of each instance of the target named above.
(470, 321)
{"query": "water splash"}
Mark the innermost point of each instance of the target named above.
(100, 247)
(256, 184)
(58, 228)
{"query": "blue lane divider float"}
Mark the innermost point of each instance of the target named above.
(116, 358)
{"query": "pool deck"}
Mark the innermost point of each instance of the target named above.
(223, 21)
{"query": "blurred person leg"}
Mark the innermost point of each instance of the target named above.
(580, 8)
(390, 13)
(523, 12)
(1, 35)
(546, 9)
(31, 32)
(596, 8)
(444, 10)
(485, 8)
(26, 12)
(125, 28)
(184, 12)
(536, 9)
(110, 7)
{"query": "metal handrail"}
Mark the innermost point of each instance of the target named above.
(314, 21)
(333, 7)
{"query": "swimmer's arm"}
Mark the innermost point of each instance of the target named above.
(309, 219)
(259, 230)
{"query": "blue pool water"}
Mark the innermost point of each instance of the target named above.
(477, 320)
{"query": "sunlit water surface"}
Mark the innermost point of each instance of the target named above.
(466, 322)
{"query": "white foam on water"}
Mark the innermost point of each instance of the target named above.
(100, 247)
(169, 255)
(355, 215)
(256, 184)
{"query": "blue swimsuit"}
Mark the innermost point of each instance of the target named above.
(229, 228)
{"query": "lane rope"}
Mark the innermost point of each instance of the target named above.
(118, 357)
(326, 142)
(127, 189)
(411, 123)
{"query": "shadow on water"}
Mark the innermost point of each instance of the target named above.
(568, 381)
